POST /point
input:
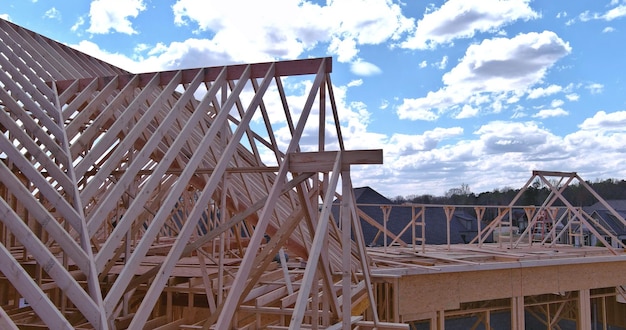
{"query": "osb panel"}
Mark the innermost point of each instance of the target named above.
(425, 293)
(432, 292)
(493, 284)
(540, 280)
(595, 275)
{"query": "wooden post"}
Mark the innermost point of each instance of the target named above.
(449, 213)
(584, 309)
(441, 320)
(314, 257)
(487, 320)
(346, 243)
(480, 212)
(434, 320)
(517, 313)
(386, 210)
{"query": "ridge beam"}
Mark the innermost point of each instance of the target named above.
(233, 72)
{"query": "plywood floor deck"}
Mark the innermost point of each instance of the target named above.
(469, 257)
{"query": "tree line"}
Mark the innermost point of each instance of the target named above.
(577, 194)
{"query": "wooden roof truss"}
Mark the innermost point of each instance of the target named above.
(564, 219)
(120, 193)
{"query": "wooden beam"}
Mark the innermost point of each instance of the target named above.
(50, 264)
(33, 100)
(172, 198)
(584, 309)
(27, 287)
(241, 216)
(369, 325)
(127, 143)
(360, 242)
(45, 219)
(234, 296)
(323, 161)
(517, 313)
(108, 203)
(29, 126)
(113, 132)
(316, 248)
(381, 229)
(554, 173)
(345, 219)
(24, 50)
(97, 101)
(196, 213)
(259, 70)
(6, 322)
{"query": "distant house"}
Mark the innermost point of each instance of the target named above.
(608, 220)
(463, 225)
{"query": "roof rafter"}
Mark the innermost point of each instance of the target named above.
(117, 178)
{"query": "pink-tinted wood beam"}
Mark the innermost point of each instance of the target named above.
(233, 72)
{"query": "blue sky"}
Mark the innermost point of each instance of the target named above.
(475, 92)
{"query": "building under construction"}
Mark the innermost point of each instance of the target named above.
(169, 200)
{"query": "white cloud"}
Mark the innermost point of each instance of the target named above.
(513, 148)
(422, 108)
(608, 29)
(606, 121)
(514, 98)
(611, 14)
(113, 15)
(190, 53)
(604, 135)
(538, 92)
(362, 68)
(345, 48)
(423, 64)
(547, 113)
(262, 29)
(142, 47)
(116, 59)
(443, 63)
(572, 97)
(557, 103)
(5, 17)
(79, 22)
(406, 144)
(504, 137)
(595, 88)
(356, 82)
(52, 13)
(467, 112)
(463, 19)
(617, 12)
(488, 72)
(503, 64)
(384, 104)
(157, 49)
(585, 16)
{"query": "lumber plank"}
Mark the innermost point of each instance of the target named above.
(323, 161)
